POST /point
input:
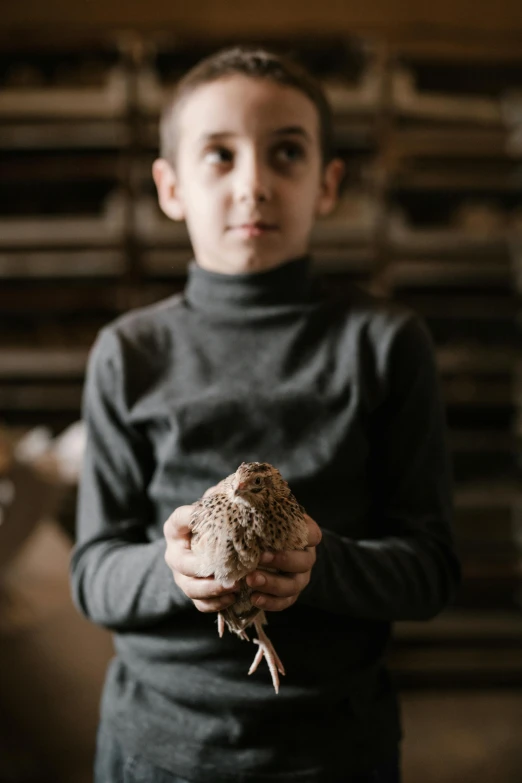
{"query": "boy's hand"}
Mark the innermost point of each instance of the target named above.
(281, 590)
(205, 592)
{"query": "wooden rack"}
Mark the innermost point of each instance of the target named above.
(430, 214)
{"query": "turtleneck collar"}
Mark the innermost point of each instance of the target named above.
(289, 284)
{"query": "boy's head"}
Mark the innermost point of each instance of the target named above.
(246, 159)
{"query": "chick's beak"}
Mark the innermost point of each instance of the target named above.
(240, 487)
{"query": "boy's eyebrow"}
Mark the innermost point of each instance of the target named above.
(295, 130)
(217, 135)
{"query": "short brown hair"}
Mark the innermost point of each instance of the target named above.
(258, 64)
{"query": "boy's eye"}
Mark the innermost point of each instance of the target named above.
(288, 152)
(218, 156)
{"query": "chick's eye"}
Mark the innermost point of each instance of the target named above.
(257, 480)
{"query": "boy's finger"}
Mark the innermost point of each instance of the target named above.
(271, 602)
(277, 585)
(291, 561)
(314, 531)
(181, 559)
(214, 604)
(202, 588)
(177, 525)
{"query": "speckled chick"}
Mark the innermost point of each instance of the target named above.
(251, 511)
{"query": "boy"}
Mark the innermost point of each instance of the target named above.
(254, 362)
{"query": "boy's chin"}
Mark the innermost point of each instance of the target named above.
(243, 264)
(258, 263)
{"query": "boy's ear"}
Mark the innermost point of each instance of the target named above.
(329, 192)
(168, 190)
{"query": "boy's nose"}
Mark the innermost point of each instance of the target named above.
(252, 182)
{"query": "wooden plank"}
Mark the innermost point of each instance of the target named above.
(467, 663)
(428, 141)
(479, 177)
(78, 101)
(42, 135)
(42, 362)
(107, 228)
(460, 273)
(36, 299)
(63, 165)
(486, 443)
(493, 308)
(488, 494)
(472, 391)
(473, 357)
(40, 264)
(48, 397)
(443, 241)
(454, 625)
(212, 18)
(455, 44)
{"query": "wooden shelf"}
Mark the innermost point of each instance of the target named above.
(62, 83)
(430, 215)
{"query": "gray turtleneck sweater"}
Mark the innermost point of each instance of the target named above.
(341, 394)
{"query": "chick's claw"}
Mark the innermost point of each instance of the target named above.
(267, 650)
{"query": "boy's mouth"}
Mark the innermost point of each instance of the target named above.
(254, 229)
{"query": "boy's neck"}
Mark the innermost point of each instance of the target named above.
(289, 283)
(222, 268)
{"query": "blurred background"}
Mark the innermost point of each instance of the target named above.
(428, 116)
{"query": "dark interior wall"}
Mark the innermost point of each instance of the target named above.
(436, 195)
(272, 16)
(429, 124)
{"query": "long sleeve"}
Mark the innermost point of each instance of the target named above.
(409, 571)
(119, 577)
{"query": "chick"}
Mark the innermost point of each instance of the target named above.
(251, 511)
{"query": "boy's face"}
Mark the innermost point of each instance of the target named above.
(248, 180)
